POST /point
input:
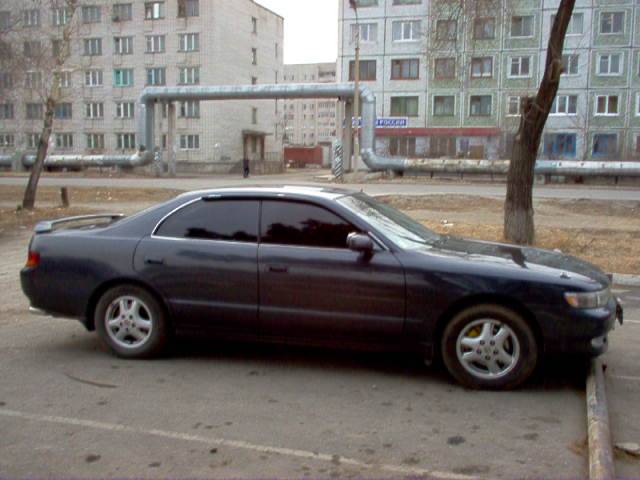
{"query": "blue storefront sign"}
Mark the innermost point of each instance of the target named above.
(388, 122)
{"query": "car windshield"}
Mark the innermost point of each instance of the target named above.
(398, 227)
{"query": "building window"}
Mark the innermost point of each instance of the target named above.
(520, 67)
(446, 29)
(560, 145)
(522, 26)
(402, 146)
(92, 47)
(189, 142)
(368, 32)
(612, 23)
(254, 116)
(366, 3)
(576, 24)
(156, 76)
(570, 64)
(254, 25)
(33, 140)
(123, 45)
(407, 2)
(125, 110)
(482, 67)
(514, 106)
(6, 80)
(35, 111)
(565, 105)
(154, 10)
(63, 78)
(33, 80)
(404, 106)
(188, 8)
(367, 70)
(125, 141)
(254, 56)
(95, 141)
(445, 68)
(406, 69)
(122, 12)
(190, 109)
(406, 30)
(610, 64)
(61, 16)
(480, 105)
(64, 140)
(31, 18)
(189, 76)
(189, 42)
(607, 105)
(6, 111)
(91, 14)
(63, 111)
(155, 44)
(484, 28)
(94, 110)
(444, 105)
(32, 48)
(605, 145)
(7, 140)
(93, 78)
(123, 77)
(5, 21)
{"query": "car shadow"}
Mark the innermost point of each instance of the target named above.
(553, 372)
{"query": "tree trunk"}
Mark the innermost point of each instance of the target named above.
(518, 209)
(29, 200)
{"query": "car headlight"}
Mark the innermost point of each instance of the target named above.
(585, 300)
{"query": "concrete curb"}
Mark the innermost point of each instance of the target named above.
(601, 465)
(626, 280)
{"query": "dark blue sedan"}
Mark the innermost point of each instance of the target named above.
(322, 266)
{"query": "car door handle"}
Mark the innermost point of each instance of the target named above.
(154, 261)
(278, 269)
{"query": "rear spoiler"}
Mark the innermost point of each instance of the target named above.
(48, 226)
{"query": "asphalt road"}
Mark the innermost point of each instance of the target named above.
(302, 178)
(69, 409)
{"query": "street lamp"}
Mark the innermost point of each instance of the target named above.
(356, 108)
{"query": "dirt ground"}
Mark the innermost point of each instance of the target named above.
(603, 232)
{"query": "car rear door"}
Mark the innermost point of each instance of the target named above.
(312, 285)
(203, 260)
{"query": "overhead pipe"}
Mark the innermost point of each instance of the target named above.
(139, 159)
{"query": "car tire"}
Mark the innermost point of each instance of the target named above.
(489, 347)
(131, 322)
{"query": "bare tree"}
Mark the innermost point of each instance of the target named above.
(519, 225)
(38, 57)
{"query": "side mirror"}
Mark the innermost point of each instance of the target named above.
(359, 242)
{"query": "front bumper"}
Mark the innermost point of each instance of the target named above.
(584, 331)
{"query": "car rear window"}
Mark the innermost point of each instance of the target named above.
(227, 220)
(293, 223)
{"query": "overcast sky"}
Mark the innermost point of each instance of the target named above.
(310, 29)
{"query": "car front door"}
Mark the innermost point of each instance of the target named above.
(312, 285)
(203, 261)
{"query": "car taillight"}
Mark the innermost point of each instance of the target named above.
(33, 259)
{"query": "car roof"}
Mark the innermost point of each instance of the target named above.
(291, 191)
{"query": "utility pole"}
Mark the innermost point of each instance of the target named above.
(356, 101)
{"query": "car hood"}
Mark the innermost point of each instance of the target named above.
(525, 258)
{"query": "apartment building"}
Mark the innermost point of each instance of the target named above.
(121, 46)
(310, 122)
(457, 71)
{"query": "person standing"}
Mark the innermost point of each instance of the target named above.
(245, 167)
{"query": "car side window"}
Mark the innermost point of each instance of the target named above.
(228, 220)
(302, 224)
